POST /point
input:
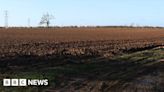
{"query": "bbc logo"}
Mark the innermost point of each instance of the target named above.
(14, 82)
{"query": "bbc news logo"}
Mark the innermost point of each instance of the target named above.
(25, 82)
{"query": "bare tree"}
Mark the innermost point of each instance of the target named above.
(46, 19)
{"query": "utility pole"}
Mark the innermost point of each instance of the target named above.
(29, 22)
(6, 19)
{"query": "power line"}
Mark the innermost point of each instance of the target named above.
(6, 19)
(29, 22)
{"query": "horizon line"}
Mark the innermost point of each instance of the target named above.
(85, 26)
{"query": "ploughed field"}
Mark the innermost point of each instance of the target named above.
(84, 59)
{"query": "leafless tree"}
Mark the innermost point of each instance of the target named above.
(46, 19)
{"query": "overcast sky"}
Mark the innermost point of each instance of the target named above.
(84, 12)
